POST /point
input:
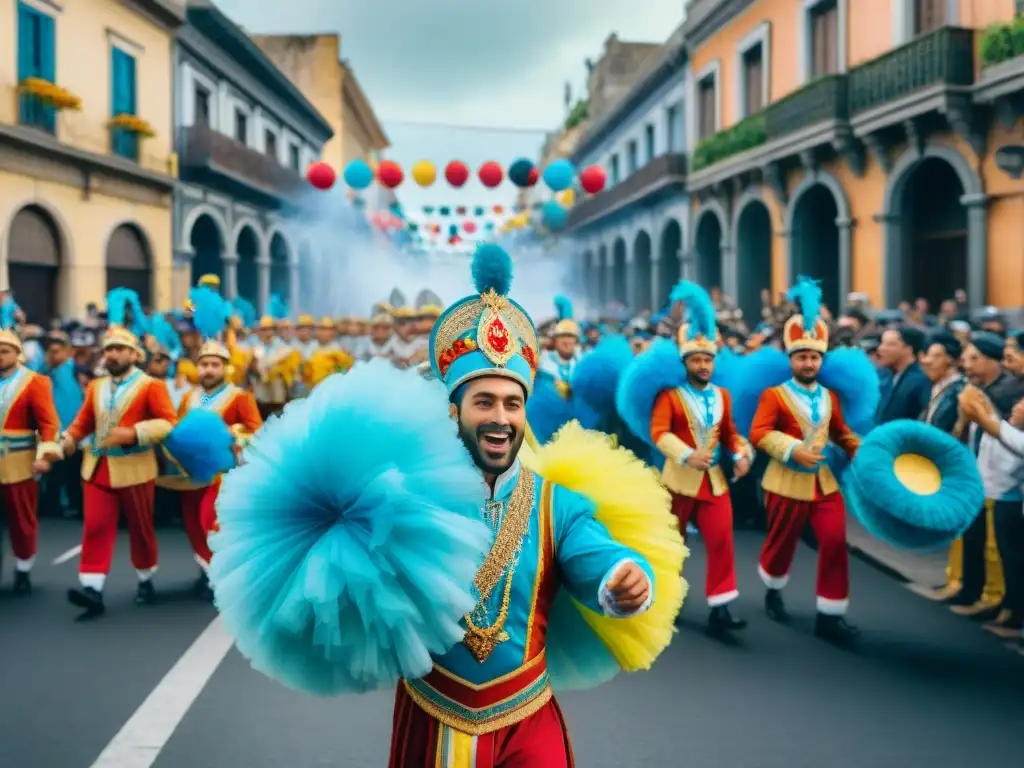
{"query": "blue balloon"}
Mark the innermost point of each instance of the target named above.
(554, 216)
(560, 175)
(519, 172)
(358, 175)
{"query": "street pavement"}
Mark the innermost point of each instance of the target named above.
(925, 688)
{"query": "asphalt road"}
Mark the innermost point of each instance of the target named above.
(925, 689)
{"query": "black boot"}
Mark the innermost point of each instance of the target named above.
(835, 630)
(202, 588)
(22, 583)
(775, 607)
(145, 594)
(91, 600)
(721, 622)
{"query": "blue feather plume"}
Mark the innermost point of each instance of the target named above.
(277, 309)
(547, 411)
(595, 379)
(8, 314)
(700, 312)
(202, 444)
(350, 538)
(747, 377)
(492, 269)
(895, 514)
(651, 372)
(118, 302)
(849, 372)
(165, 334)
(210, 311)
(247, 311)
(563, 306)
(806, 294)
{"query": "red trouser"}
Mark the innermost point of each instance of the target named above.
(786, 521)
(540, 741)
(18, 501)
(712, 516)
(103, 507)
(198, 513)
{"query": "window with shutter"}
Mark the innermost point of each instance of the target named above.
(124, 143)
(706, 124)
(671, 128)
(270, 143)
(631, 157)
(753, 80)
(824, 26)
(36, 58)
(648, 143)
(929, 15)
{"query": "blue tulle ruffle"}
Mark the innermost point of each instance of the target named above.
(350, 538)
(202, 444)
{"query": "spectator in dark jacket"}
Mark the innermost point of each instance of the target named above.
(908, 394)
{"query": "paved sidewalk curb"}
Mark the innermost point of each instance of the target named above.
(927, 570)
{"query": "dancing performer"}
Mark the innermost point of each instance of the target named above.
(467, 614)
(559, 362)
(689, 424)
(27, 409)
(793, 423)
(126, 413)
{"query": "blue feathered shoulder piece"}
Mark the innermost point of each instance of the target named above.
(8, 314)
(124, 308)
(849, 372)
(914, 486)
(350, 537)
(563, 307)
(547, 410)
(806, 294)
(202, 445)
(747, 377)
(647, 375)
(210, 311)
(700, 312)
(164, 332)
(595, 378)
(277, 309)
(247, 311)
(492, 269)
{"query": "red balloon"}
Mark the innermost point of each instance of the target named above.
(533, 178)
(389, 174)
(321, 175)
(490, 174)
(499, 210)
(456, 173)
(593, 179)
(469, 227)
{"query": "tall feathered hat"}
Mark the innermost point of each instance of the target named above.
(566, 325)
(8, 321)
(806, 330)
(123, 331)
(210, 315)
(699, 331)
(486, 334)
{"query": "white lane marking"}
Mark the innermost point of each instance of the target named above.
(139, 742)
(72, 553)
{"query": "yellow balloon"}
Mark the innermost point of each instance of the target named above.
(424, 173)
(566, 198)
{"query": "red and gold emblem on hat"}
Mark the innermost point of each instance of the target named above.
(495, 337)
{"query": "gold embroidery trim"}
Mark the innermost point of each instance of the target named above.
(513, 528)
(107, 419)
(815, 436)
(506, 719)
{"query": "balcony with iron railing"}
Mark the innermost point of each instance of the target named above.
(205, 154)
(661, 174)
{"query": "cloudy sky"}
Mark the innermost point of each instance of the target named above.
(464, 79)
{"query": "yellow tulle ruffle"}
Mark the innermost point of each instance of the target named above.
(636, 509)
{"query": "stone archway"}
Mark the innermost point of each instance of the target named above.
(936, 228)
(247, 248)
(600, 284)
(819, 228)
(753, 258)
(618, 282)
(641, 298)
(128, 262)
(281, 269)
(670, 269)
(207, 242)
(707, 243)
(35, 254)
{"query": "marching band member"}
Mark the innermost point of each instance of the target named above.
(126, 413)
(305, 345)
(793, 424)
(407, 348)
(328, 358)
(273, 358)
(380, 341)
(428, 309)
(689, 425)
(27, 409)
(558, 362)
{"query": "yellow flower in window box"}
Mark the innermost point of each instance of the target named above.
(132, 124)
(50, 94)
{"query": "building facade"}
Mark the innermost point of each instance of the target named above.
(630, 236)
(245, 136)
(855, 142)
(87, 169)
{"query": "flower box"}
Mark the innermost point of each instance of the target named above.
(50, 94)
(132, 124)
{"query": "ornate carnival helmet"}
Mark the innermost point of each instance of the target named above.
(119, 336)
(566, 325)
(8, 323)
(209, 281)
(806, 330)
(699, 330)
(210, 315)
(486, 334)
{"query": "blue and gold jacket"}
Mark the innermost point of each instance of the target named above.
(546, 539)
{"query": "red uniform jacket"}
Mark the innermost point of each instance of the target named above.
(29, 425)
(779, 427)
